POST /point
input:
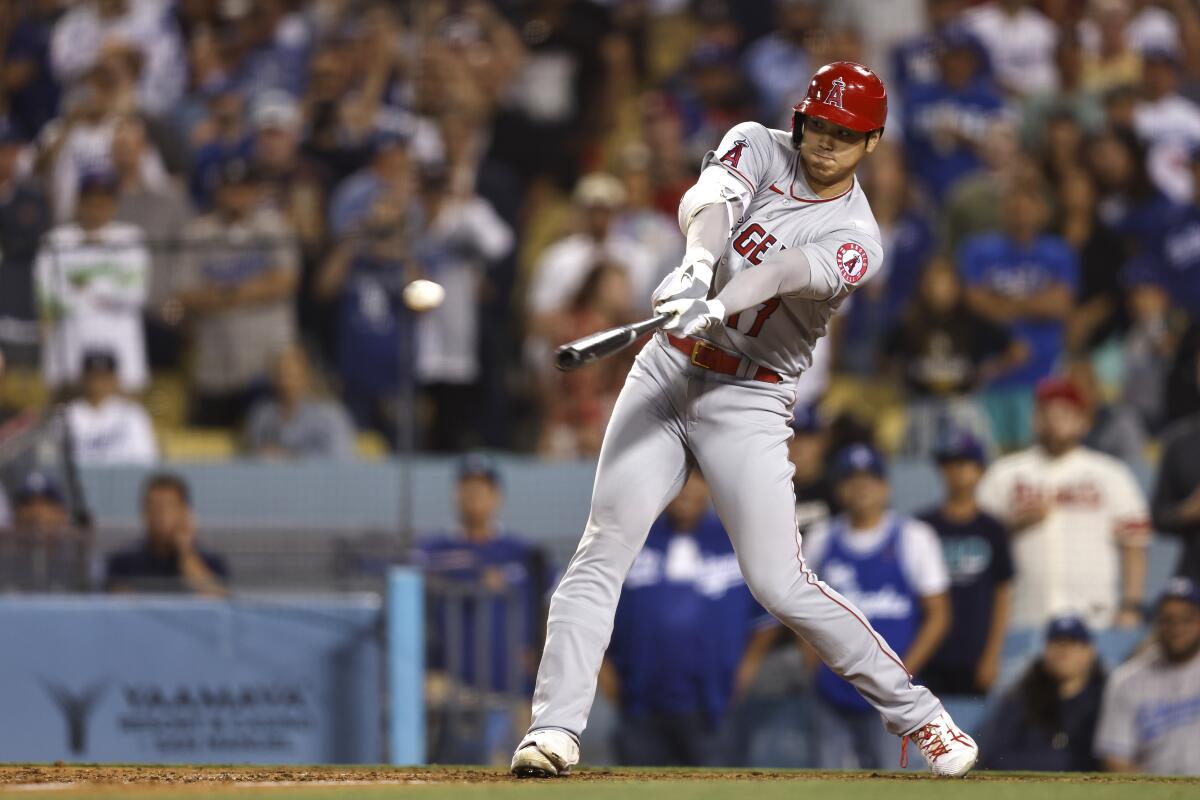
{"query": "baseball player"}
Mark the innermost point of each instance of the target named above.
(779, 233)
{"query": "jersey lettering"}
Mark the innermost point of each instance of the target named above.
(752, 242)
(735, 153)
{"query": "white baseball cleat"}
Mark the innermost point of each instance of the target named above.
(948, 750)
(545, 753)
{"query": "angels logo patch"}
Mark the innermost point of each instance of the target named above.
(852, 262)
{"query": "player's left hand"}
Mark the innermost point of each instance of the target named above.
(692, 316)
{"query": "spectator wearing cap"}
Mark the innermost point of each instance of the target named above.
(107, 428)
(498, 578)
(778, 64)
(564, 266)
(38, 506)
(237, 283)
(1047, 721)
(891, 567)
(808, 451)
(42, 552)
(1168, 123)
(1150, 720)
(945, 352)
(1176, 501)
(979, 559)
(24, 218)
(168, 559)
(947, 120)
(92, 278)
(688, 640)
(1024, 280)
(291, 182)
(389, 172)
(1116, 428)
(296, 423)
(1078, 520)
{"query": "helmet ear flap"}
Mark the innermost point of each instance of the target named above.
(797, 128)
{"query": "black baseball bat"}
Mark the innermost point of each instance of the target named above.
(574, 355)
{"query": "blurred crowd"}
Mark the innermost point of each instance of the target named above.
(231, 197)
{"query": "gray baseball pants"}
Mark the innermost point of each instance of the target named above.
(670, 416)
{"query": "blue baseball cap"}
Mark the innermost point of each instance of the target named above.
(806, 420)
(479, 465)
(858, 458)
(960, 446)
(1142, 271)
(1068, 626)
(38, 486)
(1181, 588)
(98, 180)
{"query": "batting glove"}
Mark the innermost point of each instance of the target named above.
(688, 281)
(692, 316)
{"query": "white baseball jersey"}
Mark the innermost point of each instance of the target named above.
(838, 235)
(1070, 561)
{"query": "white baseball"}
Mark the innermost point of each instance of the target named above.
(423, 295)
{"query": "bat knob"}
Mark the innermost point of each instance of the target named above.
(567, 359)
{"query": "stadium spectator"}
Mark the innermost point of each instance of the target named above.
(1020, 42)
(944, 351)
(577, 405)
(1176, 500)
(91, 285)
(948, 120)
(891, 567)
(915, 59)
(975, 204)
(28, 81)
(1025, 280)
(1079, 522)
(1148, 721)
(816, 500)
(687, 643)
(498, 579)
(778, 64)
(168, 559)
(291, 182)
(237, 281)
(979, 560)
(389, 172)
(1169, 124)
(24, 218)
(463, 238)
(1111, 58)
(1099, 311)
(364, 279)
(219, 135)
(39, 508)
(1070, 99)
(42, 552)
(1116, 429)
(1130, 203)
(1047, 721)
(295, 423)
(107, 428)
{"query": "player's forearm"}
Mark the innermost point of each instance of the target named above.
(707, 235)
(786, 273)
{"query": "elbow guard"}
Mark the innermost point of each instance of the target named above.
(716, 185)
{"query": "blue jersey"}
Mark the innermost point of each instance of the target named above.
(993, 261)
(683, 623)
(507, 616)
(877, 584)
(1173, 259)
(940, 124)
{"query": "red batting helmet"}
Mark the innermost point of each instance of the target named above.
(845, 94)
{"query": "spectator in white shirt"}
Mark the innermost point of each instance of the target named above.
(1020, 41)
(91, 279)
(107, 428)
(1079, 521)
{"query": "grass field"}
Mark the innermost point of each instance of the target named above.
(382, 783)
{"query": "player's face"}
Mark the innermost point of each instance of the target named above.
(831, 152)
(1068, 659)
(478, 499)
(864, 495)
(1178, 624)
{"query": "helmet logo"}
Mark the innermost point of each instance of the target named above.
(834, 98)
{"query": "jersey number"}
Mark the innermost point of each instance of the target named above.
(750, 244)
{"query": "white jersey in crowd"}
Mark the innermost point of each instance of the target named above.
(1070, 561)
(1020, 46)
(838, 235)
(94, 287)
(1151, 715)
(118, 431)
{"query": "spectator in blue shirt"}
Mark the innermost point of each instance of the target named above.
(687, 641)
(1023, 279)
(979, 560)
(915, 59)
(388, 172)
(1048, 720)
(1172, 256)
(778, 63)
(485, 587)
(32, 91)
(947, 120)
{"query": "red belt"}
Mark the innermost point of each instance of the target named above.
(708, 356)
